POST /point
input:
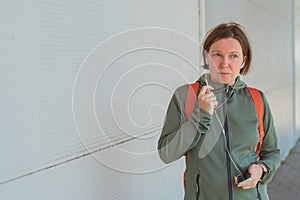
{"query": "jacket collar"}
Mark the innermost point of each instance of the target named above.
(239, 84)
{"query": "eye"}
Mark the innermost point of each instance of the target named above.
(234, 56)
(217, 55)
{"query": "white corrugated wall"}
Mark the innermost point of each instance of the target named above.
(84, 87)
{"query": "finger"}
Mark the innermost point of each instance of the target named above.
(245, 184)
(249, 186)
(236, 180)
(207, 98)
(205, 89)
(255, 171)
(210, 87)
(216, 104)
(213, 98)
(208, 94)
(245, 187)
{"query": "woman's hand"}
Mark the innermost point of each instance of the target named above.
(207, 100)
(256, 172)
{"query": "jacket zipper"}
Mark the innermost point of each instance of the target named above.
(228, 163)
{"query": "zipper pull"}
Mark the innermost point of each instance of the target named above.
(226, 89)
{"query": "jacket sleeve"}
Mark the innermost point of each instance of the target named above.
(178, 134)
(270, 153)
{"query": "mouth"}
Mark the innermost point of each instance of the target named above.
(224, 73)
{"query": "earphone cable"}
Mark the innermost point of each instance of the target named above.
(226, 148)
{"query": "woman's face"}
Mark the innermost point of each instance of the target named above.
(225, 58)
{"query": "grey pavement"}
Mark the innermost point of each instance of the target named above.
(286, 182)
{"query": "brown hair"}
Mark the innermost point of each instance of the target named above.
(229, 30)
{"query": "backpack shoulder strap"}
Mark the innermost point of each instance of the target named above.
(191, 99)
(259, 105)
(189, 108)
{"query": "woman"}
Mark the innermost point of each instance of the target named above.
(220, 137)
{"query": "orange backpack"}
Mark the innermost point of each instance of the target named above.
(257, 99)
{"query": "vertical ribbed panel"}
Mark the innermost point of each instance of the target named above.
(297, 65)
(80, 77)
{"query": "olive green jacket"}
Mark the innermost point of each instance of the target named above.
(204, 138)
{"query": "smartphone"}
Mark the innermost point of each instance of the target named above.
(242, 178)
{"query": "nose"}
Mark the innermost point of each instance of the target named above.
(225, 61)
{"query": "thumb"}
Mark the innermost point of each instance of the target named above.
(205, 89)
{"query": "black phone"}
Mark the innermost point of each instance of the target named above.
(243, 177)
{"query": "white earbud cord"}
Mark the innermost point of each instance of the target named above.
(226, 148)
(223, 130)
(227, 97)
